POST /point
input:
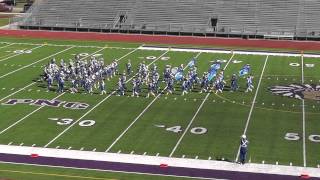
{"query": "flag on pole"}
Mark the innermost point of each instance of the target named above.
(192, 62)
(245, 70)
(212, 74)
(215, 66)
(178, 76)
(213, 70)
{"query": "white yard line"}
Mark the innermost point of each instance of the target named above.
(253, 103)
(133, 122)
(97, 105)
(198, 54)
(28, 86)
(25, 86)
(303, 117)
(36, 62)
(10, 44)
(138, 117)
(261, 53)
(195, 115)
(189, 125)
(36, 110)
(14, 124)
(17, 91)
(21, 53)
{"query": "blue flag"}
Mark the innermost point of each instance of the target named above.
(212, 74)
(192, 63)
(213, 70)
(215, 66)
(245, 70)
(178, 76)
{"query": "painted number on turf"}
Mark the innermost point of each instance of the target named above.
(22, 51)
(64, 121)
(296, 137)
(195, 130)
(155, 57)
(294, 64)
(198, 130)
(68, 121)
(292, 136)
(87, 54)
(175, 129)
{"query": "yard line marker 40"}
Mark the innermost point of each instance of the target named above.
(195, 115)
(138, 117)
(253, 103)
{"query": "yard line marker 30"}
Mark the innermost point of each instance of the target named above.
(102, 101)
(195, 115)
(303, 117)
(17, 54)
(252, 104)
(36, 110)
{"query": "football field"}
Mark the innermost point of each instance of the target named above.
(280, 117)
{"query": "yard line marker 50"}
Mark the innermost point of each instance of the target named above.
(195, 115)
(103, 100)
(253, 103)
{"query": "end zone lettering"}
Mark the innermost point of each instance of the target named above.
(49, 103)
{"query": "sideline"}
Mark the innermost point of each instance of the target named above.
(155, 161)
(261, 53)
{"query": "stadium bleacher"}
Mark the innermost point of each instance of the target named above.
(267, 18)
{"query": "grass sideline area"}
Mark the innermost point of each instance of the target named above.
(280, 129)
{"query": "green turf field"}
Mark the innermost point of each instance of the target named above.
(204, 126)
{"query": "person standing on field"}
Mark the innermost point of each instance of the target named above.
(243, 148)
